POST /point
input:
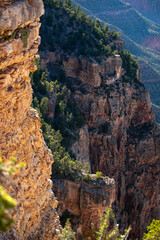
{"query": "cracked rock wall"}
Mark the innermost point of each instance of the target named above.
(20, 134)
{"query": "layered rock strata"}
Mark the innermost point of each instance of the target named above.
(124, 140)
(84, 202)
(87, 71)
(20, 134)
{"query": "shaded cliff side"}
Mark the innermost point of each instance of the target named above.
(123, 139)
(20, 134)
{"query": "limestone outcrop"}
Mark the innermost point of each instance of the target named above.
(20, 134)
(84, 202)
(124, 140)
(87, 71)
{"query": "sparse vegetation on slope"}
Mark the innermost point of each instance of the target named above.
(67, 29)
(60, 132)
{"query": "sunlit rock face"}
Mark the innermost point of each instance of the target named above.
(20, 134)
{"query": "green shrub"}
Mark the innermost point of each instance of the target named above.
(115, 52)
(44, 105)
(98, 175)
(67, 232)
(87, 178)
(6, 203)
(114, 35)
(153, 231)
(59, 133)
(64, 166)
(129, 64)
(86, 168)
(108, 229)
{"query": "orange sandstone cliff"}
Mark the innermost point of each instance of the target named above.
(20, 134)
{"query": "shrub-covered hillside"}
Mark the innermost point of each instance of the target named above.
(67, 29)
(60, 132)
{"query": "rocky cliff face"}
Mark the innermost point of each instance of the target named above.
(84, 203)
(124, 141)
(20, 133)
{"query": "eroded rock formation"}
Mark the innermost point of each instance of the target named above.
(87, 71)
(84, 202)
(20, 134)
(124, 140)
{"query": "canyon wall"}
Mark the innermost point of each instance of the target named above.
(83, 203)
(124, 140)
(20, 134)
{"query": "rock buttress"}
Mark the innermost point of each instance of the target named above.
(84, 203)
(20, 134)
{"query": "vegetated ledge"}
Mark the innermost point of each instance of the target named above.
(83, 202)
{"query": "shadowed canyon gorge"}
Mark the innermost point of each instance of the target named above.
(91, 109)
